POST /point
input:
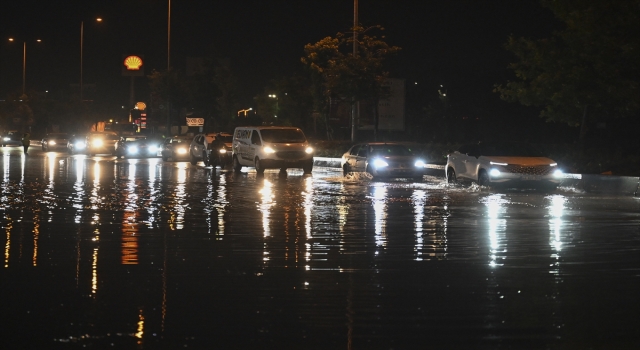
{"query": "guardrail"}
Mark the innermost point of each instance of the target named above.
(594, 183)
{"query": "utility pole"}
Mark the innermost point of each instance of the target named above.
(168, 131)
(354, 103)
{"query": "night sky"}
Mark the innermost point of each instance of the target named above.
(456, 43)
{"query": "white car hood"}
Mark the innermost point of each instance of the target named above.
(525, 161)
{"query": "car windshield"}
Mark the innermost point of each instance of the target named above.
(58, 136)
(283, 135)
(510, 149)
(390, 150)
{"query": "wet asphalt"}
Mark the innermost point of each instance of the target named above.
(145, 254)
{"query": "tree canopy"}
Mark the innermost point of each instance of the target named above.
(337, 72)
(587, 71)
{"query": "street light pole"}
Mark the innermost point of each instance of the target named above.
(81, 56)
(168, 131)
(81, 51)
(24, 66)
(354, 103)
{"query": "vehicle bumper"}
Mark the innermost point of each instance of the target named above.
(101, 150)
(399, 172)
(280, 163)
(525, 181)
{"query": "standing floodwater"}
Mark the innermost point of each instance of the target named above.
(100, 252)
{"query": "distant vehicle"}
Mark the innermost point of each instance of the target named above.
(136, 146)
(503, 164)
(102, 143)
(175, 148)
(383, 160)
(77, 143)
(198, 149)
(11, 138)
(55, 141)
(271, 147)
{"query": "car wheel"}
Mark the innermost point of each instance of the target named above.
(483, 178)
(451, 176)
(165, 158)
(308, 167)
(236, 165)
(258, 166)
(44, 149)
(345, 170)
(369, 171)
(194, 160)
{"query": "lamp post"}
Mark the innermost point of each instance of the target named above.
(24, 63)
(81, 55)
(168, 131)
(354, 104)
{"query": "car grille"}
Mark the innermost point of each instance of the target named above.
(530, 170)
(290, 154)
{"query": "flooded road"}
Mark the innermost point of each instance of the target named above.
(146, 254)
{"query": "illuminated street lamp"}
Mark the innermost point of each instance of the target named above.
(245, 111)
(24, 63)
(81, 53)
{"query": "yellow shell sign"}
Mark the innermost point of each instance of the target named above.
(133, 62)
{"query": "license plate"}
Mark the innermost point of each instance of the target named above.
(531, 178)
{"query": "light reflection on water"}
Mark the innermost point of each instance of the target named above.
(176, 244)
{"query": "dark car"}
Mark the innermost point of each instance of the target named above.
(77, 143)
(384, 159)
(55, 141)
(175, 148)
(503, 164)
(11, 138)
(136, 146)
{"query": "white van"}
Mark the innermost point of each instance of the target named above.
(271, 147)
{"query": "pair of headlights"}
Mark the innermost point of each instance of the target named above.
(381, 163)
(269, 150)
(495, 172)
(134, 149)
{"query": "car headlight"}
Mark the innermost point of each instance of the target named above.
(97, 143)
(52, 142)
(6, 138)
(79, 145)
(419, 163)
(153, 149)
(269, 150)
(222, 150)
(558, 173)
(380, 163)
(494, 172)
(309, 150)
(181, 151)
(132, 149)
